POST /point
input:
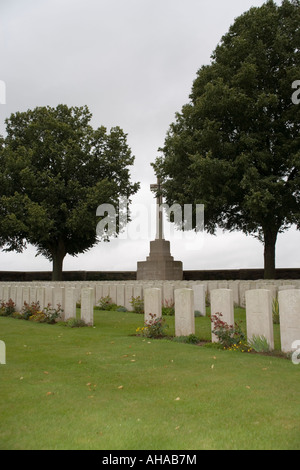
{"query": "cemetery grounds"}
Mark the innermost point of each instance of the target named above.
(104, 387)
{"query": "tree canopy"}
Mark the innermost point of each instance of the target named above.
(55, 171)
(235, 147)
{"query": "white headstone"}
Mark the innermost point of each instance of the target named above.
(87, 305)
(113, 293)
(128, 296)
(6, 293)
(70, 303)
(221, 301)
(25, 295)
(184, 312)
(199, 298)
(49, 296)
(289, 314)
(121, 295)
(40, 296)
(152, 303)
(259, 314)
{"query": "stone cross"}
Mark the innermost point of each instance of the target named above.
(159, 215)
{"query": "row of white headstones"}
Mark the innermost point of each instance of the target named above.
(259, 312)
(187, 300)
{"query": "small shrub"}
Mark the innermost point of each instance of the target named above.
(197, 313)
(154, 328)
(52, 314)
(259, 344)
(7, 309)
(190, 339)
(168, 308)
(106, 303)
(75, 323)
(33, 312)
(30, 310)
(228, 335)
(137, 304)
(38, 317)
(122, 309)
(17, 315)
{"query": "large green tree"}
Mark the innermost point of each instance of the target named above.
(235, 147)
(55, 171)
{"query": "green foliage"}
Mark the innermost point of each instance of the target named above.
(137, 304)
(55, 171)
(33, 312)
(153, 328)
(7, 309)
(259, 344)
(121, 309)
(228, 335)
(190, 339)
(106, 303)
(235, 146)
(75, 323)
(168, 308)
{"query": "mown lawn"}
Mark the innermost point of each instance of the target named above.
(105, 388)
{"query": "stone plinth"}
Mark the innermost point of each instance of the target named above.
(160, 265)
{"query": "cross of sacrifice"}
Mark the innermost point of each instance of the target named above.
(159, 213)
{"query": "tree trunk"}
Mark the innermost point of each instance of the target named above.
(57, 261)
(270, 237)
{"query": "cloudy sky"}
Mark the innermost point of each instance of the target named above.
(132, 62)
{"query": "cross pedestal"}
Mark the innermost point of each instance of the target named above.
(159, 265)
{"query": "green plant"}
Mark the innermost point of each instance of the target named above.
(29, 311)
(122, 309)
(7, 309)
(137, 304)
(228, 335)
(259, 344)
(275, 311)
(75, 323)
(33, 312)
(52, 314)
(154, 327)
(190, 339)
(106, 303)
(168, 308)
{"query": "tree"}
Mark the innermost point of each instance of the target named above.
(235, 147)
(56, 171)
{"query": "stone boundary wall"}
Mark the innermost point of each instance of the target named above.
(192, 275)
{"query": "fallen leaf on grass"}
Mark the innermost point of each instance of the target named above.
(45, 372)
(177, 399)
(212, 366)
(120, 387)
(49, 393)
(247, 386)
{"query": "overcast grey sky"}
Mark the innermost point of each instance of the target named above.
(132, 62)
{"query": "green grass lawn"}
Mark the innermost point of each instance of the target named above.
(105, 388)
